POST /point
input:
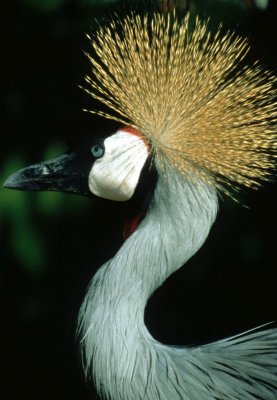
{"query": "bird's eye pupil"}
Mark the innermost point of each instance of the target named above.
(97, 151)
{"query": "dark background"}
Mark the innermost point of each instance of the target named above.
(51, 243)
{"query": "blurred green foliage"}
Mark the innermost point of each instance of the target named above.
(45, 5)
(19, 209)
(25, 240)
(52, 5)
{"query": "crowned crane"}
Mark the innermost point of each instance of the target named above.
(195, 122)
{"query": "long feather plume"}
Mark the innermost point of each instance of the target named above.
(186, 90)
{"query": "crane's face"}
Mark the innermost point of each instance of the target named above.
(110, 168)
(117, 167)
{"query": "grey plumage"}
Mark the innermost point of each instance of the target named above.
(124, 359)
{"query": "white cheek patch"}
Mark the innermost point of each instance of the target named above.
(115, 175)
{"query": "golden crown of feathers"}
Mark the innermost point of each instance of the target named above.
(187, 92)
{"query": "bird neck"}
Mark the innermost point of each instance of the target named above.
(175, 227)
(112, 315)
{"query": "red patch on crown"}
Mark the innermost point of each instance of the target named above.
(133, 131)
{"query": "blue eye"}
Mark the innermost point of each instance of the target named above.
(97, 150)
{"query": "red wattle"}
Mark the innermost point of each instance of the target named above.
(131, 225)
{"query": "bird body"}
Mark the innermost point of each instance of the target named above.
(205, 124)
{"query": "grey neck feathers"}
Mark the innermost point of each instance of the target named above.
(113, 335)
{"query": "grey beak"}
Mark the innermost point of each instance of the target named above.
(67, 173)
